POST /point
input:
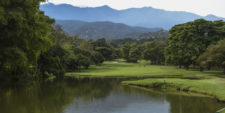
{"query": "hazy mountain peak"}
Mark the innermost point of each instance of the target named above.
(213, 17)
(49, 4)
(145, 17)
(105, 6)
(106, 29)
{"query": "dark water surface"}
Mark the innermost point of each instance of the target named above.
(98, 96)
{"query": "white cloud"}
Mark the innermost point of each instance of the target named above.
(201, 7)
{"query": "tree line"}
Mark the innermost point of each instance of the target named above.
(199, 44)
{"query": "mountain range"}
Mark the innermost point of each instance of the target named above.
(144, 17)
(107, 30)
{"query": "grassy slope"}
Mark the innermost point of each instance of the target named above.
(208, 84)
(212, 86)
(121, 69)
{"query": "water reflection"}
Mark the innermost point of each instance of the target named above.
(97, 96)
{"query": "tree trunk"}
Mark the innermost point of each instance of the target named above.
(209, 67)
(224, 70)
(179, 66)
(194, 64)
(201, 69)
(186, 67)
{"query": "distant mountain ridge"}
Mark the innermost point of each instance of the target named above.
(108, 30)
(145, 17)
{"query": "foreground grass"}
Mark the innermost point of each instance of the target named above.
(164, 77)
(212, 86)
(122, 69)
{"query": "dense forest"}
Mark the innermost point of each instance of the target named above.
(106, 29)
(33, 47)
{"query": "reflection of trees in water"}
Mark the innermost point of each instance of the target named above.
(56, 96)
(179, 103)
(88, 89)
(52, 97)
(188, 104)
(153, 94)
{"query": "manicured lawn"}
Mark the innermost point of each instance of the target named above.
(213, 86)
(122, 69)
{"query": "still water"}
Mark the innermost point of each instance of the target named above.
(97, 96)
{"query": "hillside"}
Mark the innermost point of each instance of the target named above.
(108, 30)
(146, 37)
(145, 17)
(161, 34)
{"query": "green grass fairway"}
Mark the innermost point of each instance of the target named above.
(122, 69)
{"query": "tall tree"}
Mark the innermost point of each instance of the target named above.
(25, 32)
(104, 48)
(188, 41)
(214, 56)
(154, 51)
(131, 52)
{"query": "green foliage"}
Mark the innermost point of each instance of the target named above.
(134, 53)
(104, 48)
(83, 61)
(24, 35)
(146, 37)
(71, 63)
(154, 51)
(214, 56)
(52, 62)
(188, 41)
(125, 50)
(131, 52)
(16, 62)
(97, 58)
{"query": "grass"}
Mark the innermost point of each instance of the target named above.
(163, 77)
(211, 86)
(221, 111)
(122, 69)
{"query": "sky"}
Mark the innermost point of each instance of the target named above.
(201, 7)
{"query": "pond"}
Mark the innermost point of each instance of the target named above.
(98, 96)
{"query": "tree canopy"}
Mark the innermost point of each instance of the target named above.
(214, 56)
(188, 41)
(25, 33)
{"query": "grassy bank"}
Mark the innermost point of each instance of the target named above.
(211, 86)
(164, 77)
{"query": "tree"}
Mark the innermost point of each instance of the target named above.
(52, 62)
(25, 33)
(214, 56)
(188, 41)
(125, 50)
(131, 52)
(83, 61)
(97, 58)
(154, 51)
(104, 48)
(134, 54)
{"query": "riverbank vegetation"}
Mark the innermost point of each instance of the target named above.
(211, 86)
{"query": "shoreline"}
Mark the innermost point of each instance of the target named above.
(170, 86)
